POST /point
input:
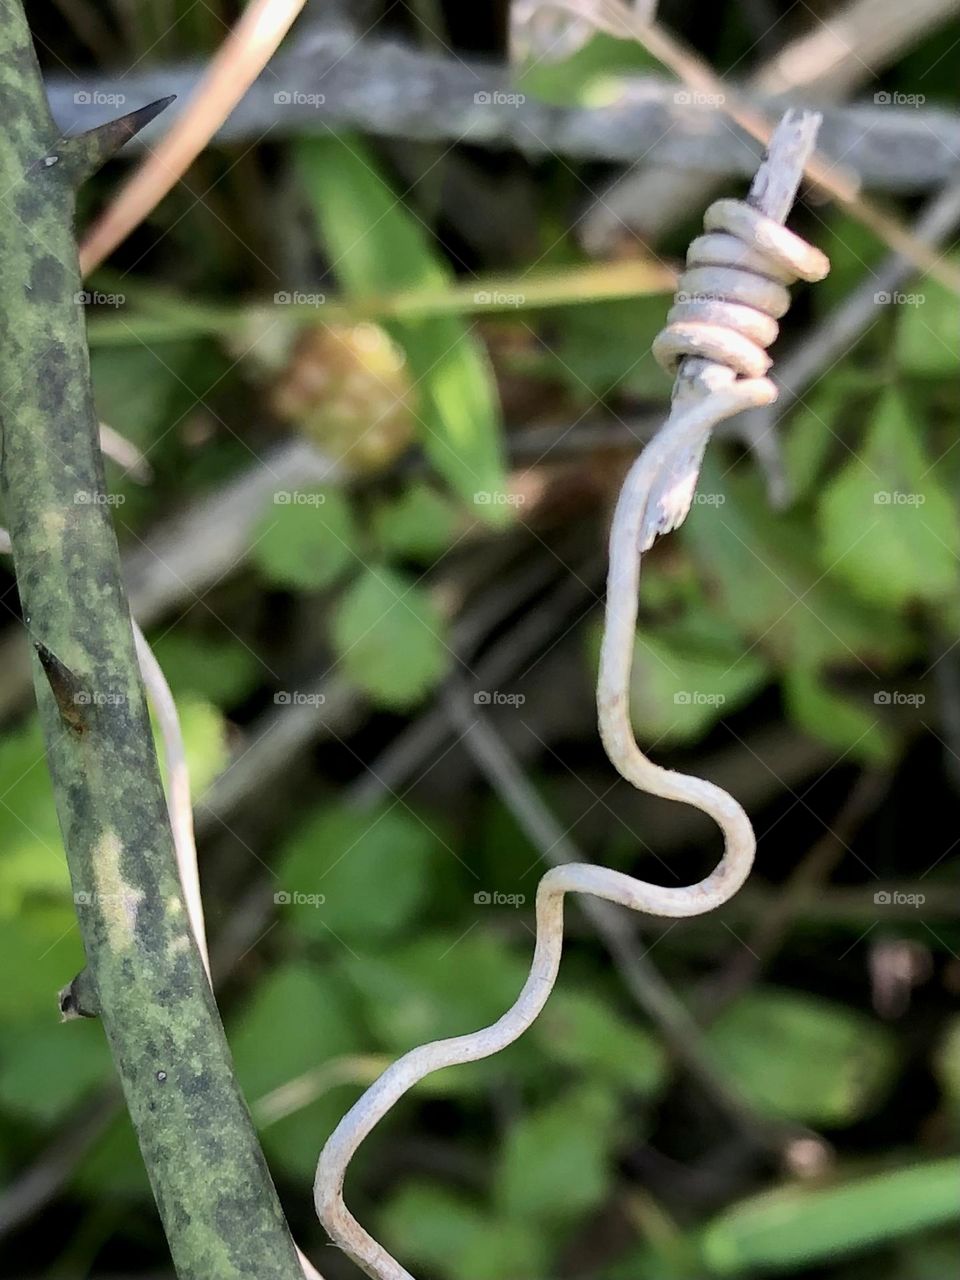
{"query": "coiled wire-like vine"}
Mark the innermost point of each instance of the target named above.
(724, 317)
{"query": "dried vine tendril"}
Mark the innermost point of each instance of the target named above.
(724, 317)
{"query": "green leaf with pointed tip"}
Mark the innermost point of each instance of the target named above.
(830, 1063)
(377, 245)
(307, 542)
(888, 528)
(390, 637)
(794, 1228)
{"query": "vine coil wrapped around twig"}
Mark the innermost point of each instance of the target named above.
(724, 317)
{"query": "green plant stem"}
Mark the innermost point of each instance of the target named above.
(218, 1205)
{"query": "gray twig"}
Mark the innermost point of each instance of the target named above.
(329, 79)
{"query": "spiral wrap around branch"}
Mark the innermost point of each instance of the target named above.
(724, 317)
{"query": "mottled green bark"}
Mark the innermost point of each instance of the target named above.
(218, 1204)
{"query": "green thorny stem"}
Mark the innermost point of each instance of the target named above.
(218, 1204)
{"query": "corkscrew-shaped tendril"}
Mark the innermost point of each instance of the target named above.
(723, 319)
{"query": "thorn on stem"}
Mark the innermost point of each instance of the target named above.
(84, 153)
(66, 688)
(79, 999)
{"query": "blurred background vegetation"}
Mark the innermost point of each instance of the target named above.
(386, 385)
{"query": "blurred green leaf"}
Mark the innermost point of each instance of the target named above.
(420, 524)
(306, 545)
(204, 743)
(298, 1017)
(678, 690)
(376, 244)
(142, 394)
(218, 669)
(390, 637)
(556, 1160)
(32, 860)
(40, 952)
(814, 707)
(371, 867)
(802, 1057)
(764, 576)
(590, 72)
(441, 985)
(601, 347)
(48, 1067)
(928, 330)
(853, 250)
(581, 1029)
(821, 425)
(947, 1063)
(792, 1228)
(114, 1168)
(926, 1259)
(888, 529)
(429, 1226)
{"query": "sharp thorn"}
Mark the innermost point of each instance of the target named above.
(68, 693)
(84, 153)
